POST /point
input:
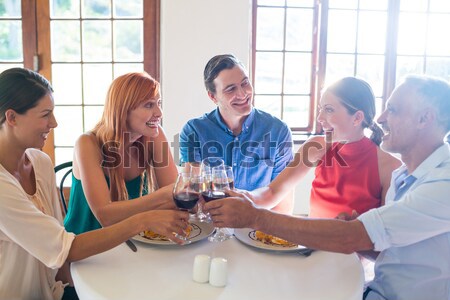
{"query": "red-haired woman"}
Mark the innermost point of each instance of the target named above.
(124, 157)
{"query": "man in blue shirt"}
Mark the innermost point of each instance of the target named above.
(256, 144)
(412, 230)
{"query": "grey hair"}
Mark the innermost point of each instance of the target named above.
(435, 92)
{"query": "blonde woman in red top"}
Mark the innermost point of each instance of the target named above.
(352, 174)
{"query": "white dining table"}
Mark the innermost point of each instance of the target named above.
(165, 272)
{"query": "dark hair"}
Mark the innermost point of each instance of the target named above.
(20, 90)
(356, 94)
(436, 92)
(216, 65)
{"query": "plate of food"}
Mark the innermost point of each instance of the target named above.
(196, 231)
(261, 240)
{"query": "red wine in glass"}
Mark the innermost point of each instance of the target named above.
(186, 201)
(231, 183)
(213, 195)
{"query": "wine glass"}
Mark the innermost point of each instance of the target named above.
(230, 175)
(197, 178)
(206, 170)
(186, 194)
(219, 185)
(208, 164)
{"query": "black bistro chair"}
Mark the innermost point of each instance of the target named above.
(67, 168)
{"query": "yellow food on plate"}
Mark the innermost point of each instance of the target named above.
(156, 236)
(272, 240)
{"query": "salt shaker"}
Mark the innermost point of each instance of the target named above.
(218, 272)
(200, 272)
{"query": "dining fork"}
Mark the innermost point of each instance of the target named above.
(131, 245)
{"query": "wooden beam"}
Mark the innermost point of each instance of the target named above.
(29, 33)
(152, 38)
(44, 54)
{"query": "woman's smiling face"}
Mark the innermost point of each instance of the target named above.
(145, 119)
(36, 123)
(334, 116)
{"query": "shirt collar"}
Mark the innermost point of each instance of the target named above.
(245, 126)
(439, 155)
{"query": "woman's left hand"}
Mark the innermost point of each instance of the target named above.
(346, 217)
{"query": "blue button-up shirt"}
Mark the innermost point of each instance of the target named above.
(413, 234)
(258, 154)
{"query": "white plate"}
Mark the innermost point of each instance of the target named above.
(199, 232)
(247, 236)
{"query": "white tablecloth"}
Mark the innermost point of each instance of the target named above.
(165, 272)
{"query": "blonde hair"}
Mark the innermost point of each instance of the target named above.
(125, 93)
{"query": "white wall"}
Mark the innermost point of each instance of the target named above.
(193, 31)
(302, 191)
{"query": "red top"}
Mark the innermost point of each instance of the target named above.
(346, 179)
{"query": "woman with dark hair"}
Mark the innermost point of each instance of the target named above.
(126, 156)
(352, 174)
(35, 248)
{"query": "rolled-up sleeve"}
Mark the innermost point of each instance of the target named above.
(374, 226)
(422, 213)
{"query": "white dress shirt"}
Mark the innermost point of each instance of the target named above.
(413, 235)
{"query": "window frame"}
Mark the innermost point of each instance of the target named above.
(37, 44)
(319, 58)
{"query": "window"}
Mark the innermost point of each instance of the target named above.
(11, 54)
(283, 60)
(302, 45)
(80, 46)
(422, 43)
(92, 42)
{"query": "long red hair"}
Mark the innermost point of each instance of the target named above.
(125, 93)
